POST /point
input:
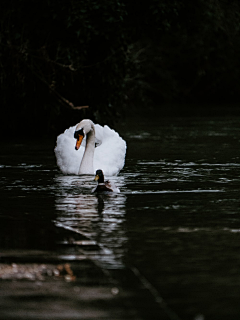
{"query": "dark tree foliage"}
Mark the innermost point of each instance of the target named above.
(188, 51)
(57, 55)
(110, 55)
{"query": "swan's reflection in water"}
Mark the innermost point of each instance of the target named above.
(100, 217)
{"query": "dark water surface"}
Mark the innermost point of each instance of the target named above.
(177, 218)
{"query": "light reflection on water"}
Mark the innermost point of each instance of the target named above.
(103, 217)
(99, 217)
(176, 218)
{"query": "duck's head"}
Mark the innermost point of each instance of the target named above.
(83, 128)
(99, 176)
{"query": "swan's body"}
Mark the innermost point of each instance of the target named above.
(109, 155)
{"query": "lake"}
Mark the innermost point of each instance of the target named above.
(175, 223)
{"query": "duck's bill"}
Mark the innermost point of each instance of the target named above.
(96, 177)
(79, 141)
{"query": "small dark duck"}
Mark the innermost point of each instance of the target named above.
(104, 186)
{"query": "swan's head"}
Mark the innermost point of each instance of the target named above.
(83, 128)
(79, 135)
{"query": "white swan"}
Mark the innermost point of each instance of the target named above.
(82, 157)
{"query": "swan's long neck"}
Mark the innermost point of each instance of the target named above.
(86, 166)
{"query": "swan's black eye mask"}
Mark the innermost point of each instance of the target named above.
(78, 133)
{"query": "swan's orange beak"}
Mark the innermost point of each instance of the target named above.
(79, 141)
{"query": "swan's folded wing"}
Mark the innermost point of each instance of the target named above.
(68, 159)
(98, 134)
(110, 155)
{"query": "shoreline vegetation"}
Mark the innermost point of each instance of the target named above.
(65, 60)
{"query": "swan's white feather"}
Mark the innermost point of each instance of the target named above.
(109, 156)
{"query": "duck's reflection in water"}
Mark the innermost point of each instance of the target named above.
(100, 217)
